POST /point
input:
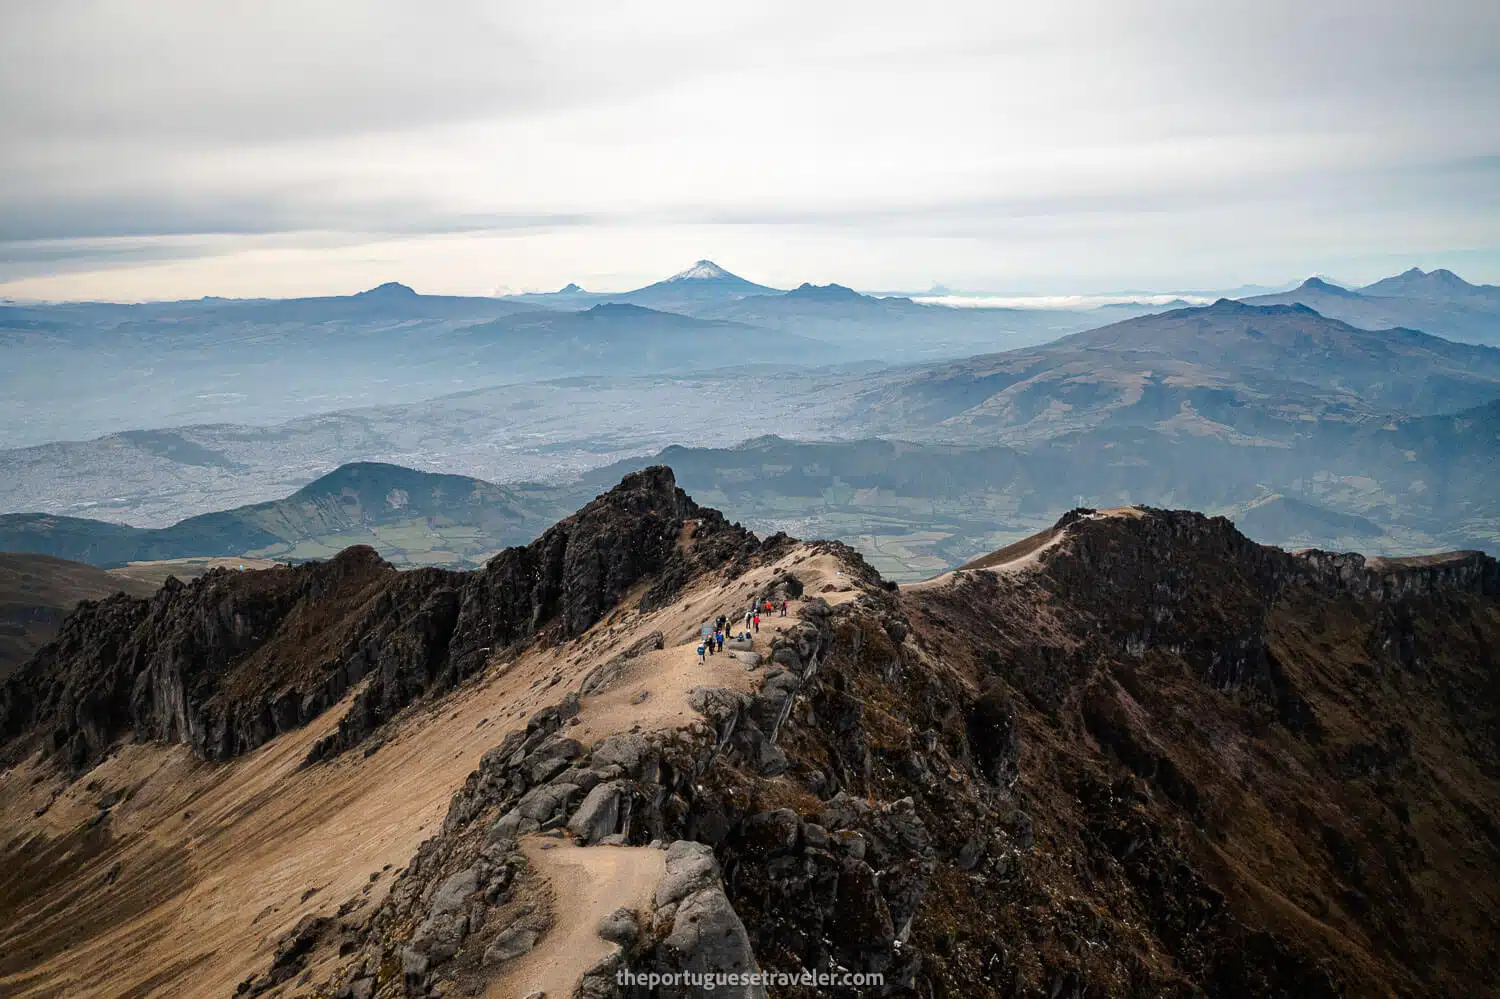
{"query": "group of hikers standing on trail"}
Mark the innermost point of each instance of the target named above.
(714, 643)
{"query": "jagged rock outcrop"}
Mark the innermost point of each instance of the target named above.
(703, 935)
(226, 663)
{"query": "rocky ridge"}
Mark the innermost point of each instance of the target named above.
(1158, 758)
(901, 768)
(229, 661)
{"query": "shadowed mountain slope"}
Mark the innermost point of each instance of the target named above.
(37, 592)
(627, 338)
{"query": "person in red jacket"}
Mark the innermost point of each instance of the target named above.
(757, 622)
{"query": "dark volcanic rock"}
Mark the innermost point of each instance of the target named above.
(1156, 760)
(230, 661)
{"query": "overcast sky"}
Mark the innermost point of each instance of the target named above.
(175, 149)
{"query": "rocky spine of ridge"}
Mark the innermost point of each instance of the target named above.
(455, 911)
(228, 662)
(1148, 758)
(1159, 760)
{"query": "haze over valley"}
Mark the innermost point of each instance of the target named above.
(1333, 434)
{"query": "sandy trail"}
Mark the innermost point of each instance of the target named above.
(588, 883)
(591, 882)
(1024, 554)
(1027, 555)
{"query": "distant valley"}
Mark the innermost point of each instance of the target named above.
(1306, 429)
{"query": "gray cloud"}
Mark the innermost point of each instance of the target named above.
(1343, 125)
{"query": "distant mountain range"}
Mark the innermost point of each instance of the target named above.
(893, 328)
(413, 517)
(901, 328)
(617, 338)
(1222, 407)
(1310, 427)
(217, 360)
(704, 283)
(206, 321)
(1438, 302)
(1237, 371)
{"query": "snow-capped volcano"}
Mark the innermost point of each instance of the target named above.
(702, 285)
(703, 270)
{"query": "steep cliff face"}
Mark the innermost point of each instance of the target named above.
(228, 662)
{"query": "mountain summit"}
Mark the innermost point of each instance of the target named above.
(701, 285)
(391, 289)
(825, 293)
(1417, 283)
(1315, 285)
(1437, 302)
(704, 270)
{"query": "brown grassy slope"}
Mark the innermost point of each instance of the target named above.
(38, 591)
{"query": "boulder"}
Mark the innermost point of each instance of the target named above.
(620, 927)
(690, 866)
(541, 803)
(626, 749)
(599, 815)
(551, 757)
(509, 944)
(454, 892)
(708, 938)
(717, 703)
(771, 833)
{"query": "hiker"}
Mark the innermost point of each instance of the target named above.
(783, 608)
(700, 654)
(709, 641)
(719, 638)
(757, 622)
(747, 618)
